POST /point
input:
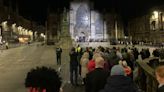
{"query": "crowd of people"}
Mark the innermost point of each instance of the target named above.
(101, 70)
(96, 65)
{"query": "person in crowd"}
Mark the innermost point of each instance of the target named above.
(129, 58)
(118, 53)
(156, 53)
(91, 63)
(145, 53)
(43, 79)
(113, 58)
(58, 55)
(119, 82)
(129, 50)
(136, 54)
(84, 61)
(105, 56)
(73, 67)
(159, 72)
(127, 69)
(96, 79)
(91, 50)
(79, 52)
(7, 45)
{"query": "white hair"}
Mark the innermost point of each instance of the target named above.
(99, 61)
(124, 63)
(120, 62)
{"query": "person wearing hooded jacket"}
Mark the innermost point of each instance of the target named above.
(119, 82)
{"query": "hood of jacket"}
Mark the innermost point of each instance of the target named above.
(119, 83)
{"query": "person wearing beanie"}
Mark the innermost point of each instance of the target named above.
(117, 70)
(96, 79)
(119, 82)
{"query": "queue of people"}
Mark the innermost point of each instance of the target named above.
(101, 70)
(96, 67)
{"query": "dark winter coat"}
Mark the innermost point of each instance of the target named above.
(136, 53)
(161, 89)
(58, 51)
(96, 80)
(119, 83)
(73, 59)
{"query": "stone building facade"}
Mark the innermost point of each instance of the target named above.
(114, 23)
(139, 29)
(148, 28)
(10, 14)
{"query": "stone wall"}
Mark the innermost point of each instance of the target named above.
(147, 28)
(139, 28)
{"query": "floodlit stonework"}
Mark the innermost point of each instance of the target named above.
(82, 22)
(148, 28)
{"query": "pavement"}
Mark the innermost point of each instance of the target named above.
(16, 62)
(11, 45)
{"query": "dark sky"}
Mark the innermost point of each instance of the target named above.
(37, 9)
(33, 9)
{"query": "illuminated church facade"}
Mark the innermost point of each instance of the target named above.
(84, 23)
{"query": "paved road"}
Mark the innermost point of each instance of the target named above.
(16, 62)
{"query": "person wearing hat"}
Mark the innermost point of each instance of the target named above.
(159, 72)
(119, 82)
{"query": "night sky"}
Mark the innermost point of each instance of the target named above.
(37, 9)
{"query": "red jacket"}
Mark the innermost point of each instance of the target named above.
(91, 65)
